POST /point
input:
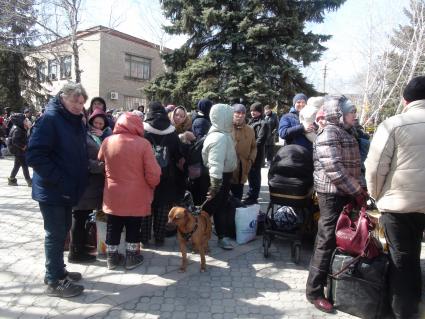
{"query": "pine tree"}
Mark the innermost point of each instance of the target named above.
(249, 49)
(18, 84)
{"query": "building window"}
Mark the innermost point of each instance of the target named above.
(41, 72)
(132, 102)
(66, 67)
(53, 70)
(137, 67)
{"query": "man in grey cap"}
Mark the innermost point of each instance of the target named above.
(395, 175)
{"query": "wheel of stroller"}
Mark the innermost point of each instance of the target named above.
(296, 252)
(266, 245)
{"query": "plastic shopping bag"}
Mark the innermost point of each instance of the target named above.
(246, 223)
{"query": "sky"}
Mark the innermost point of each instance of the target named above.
(360, 29)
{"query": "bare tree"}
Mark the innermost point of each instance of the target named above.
(390, 71)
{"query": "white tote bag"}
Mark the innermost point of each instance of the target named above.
(246, 223)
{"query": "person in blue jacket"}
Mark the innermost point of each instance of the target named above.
(58, 155)
(290, 128)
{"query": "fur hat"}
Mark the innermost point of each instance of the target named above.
(256, 107)
(299, 97)
(239, 108)
(320, 114)
(347, 106)
(415, 89)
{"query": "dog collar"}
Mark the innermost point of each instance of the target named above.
(187, 236)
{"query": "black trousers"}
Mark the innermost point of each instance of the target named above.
(114, 227)
(269, 152)
(404, 232)
(78, 230)
(20, 162)
(254, 181)
(237, 190)
(217, 206)
(331, 206)
(199, 189)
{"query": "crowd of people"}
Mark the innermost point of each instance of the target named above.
(137, 166)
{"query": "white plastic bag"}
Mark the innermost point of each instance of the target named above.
(246, 223)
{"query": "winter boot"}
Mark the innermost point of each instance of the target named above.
(133, 258)
(12, 181)
(29, 182)
(77, 256)
(113, 258)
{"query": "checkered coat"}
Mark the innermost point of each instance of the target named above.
(336, 157)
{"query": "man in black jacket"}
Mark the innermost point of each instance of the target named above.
(273, 123)
(17, 144)
(261, 132)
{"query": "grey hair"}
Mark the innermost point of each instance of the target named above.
(74, 89)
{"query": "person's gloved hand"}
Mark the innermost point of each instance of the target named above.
(215, 185)
(361, 198)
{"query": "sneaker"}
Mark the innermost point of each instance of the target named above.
(69, 275)
(29, 182)
(225, 243)
(64, 289)
(12, 181)
(132, 260)
(114, 260)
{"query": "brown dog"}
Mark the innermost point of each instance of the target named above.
(190, 228)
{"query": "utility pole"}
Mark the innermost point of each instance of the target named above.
(324, 77)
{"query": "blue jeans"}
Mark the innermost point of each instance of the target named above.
(57, 223)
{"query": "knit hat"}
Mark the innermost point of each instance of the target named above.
(239, 108)
(347, 107)
(256, 107)
(299, 97)
(98, 99)
(157, 116)
(204, 106)
(415, 89)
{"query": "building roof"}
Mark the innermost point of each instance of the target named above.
(97, 29)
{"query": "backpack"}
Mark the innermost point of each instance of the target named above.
(194, 162)
(10, 147)
(162, 155)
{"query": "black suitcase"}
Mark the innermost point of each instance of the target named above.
(361, 290)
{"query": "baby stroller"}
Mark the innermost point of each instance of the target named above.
(291, 189)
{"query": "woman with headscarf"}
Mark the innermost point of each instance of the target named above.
(165, 143)
(180, 119)
(337, 181)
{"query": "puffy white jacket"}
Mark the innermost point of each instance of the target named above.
(218, 152)
(395, 165)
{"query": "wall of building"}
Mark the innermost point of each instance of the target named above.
(89, 53)
(113, 50)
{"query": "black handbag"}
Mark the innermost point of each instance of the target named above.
(358, 286)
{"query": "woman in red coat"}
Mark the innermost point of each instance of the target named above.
(132, 173)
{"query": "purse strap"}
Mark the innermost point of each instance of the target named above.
(353, 261)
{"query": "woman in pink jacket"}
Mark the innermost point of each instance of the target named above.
(132, 173)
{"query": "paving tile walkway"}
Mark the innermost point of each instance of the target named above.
(237, 284)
